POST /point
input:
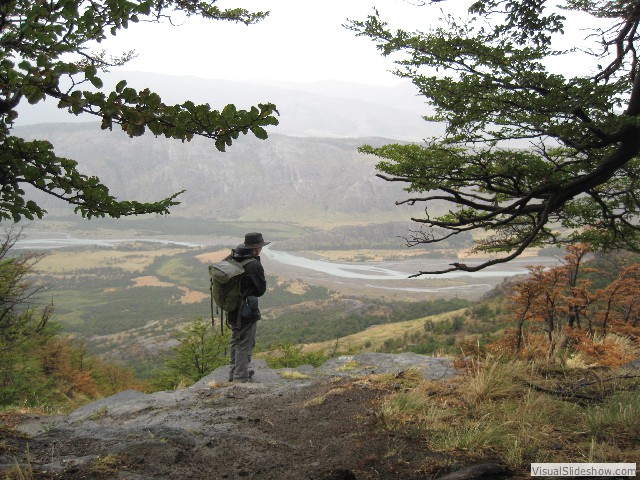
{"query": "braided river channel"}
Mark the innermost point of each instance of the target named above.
(385, 277)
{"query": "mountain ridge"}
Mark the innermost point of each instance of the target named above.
(283, 178)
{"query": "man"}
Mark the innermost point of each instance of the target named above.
(243, 330)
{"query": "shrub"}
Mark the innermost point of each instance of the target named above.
(287, 355)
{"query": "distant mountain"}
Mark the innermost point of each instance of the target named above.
(308, 170)
(328, 108)
(301, 179)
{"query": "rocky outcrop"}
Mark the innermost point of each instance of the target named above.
(235, 430)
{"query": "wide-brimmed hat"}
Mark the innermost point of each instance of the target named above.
(254, 240)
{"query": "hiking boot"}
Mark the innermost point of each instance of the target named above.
(248, 379)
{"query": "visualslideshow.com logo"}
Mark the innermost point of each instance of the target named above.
(583, 469)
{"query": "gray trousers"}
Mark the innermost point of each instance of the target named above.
(242, 342)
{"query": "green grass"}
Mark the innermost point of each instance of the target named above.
(183, 269)
(286, 355)
(473, 435)
(107, 465)
(173, 268)
(620, 413)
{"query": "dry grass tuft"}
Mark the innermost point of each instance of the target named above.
(293, 375)
(108, 464)
(493, 378)
(319, 400)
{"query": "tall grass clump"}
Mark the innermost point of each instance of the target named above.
(471, 435)
(492, 378)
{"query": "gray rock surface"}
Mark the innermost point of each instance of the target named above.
(130, 411)
(172, 428)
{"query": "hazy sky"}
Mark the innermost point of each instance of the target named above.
(300, 41)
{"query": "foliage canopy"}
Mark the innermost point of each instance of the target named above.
(46, 53)
(573, 175)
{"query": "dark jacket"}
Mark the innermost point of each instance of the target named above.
(252, 284)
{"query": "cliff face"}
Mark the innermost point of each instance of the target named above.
(281, 178)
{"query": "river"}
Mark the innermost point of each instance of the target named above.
(68, 241)
(380, 271)
(392, 277)
(389, 276)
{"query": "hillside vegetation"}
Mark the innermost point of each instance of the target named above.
(339, 317)
(40, 368)
(440, 334)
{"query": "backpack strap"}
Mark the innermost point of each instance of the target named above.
(243, 263)
(242, 294)
(213, 318)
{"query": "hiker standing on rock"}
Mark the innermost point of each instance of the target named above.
(252, 285)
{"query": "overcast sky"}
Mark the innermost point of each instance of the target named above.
(300, 41)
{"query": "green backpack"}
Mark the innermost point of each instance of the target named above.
(225, 286)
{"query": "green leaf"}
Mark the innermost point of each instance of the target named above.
(259, 132)
(96, 82)
(120, 86)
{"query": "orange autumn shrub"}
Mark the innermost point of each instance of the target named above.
(557, 312)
